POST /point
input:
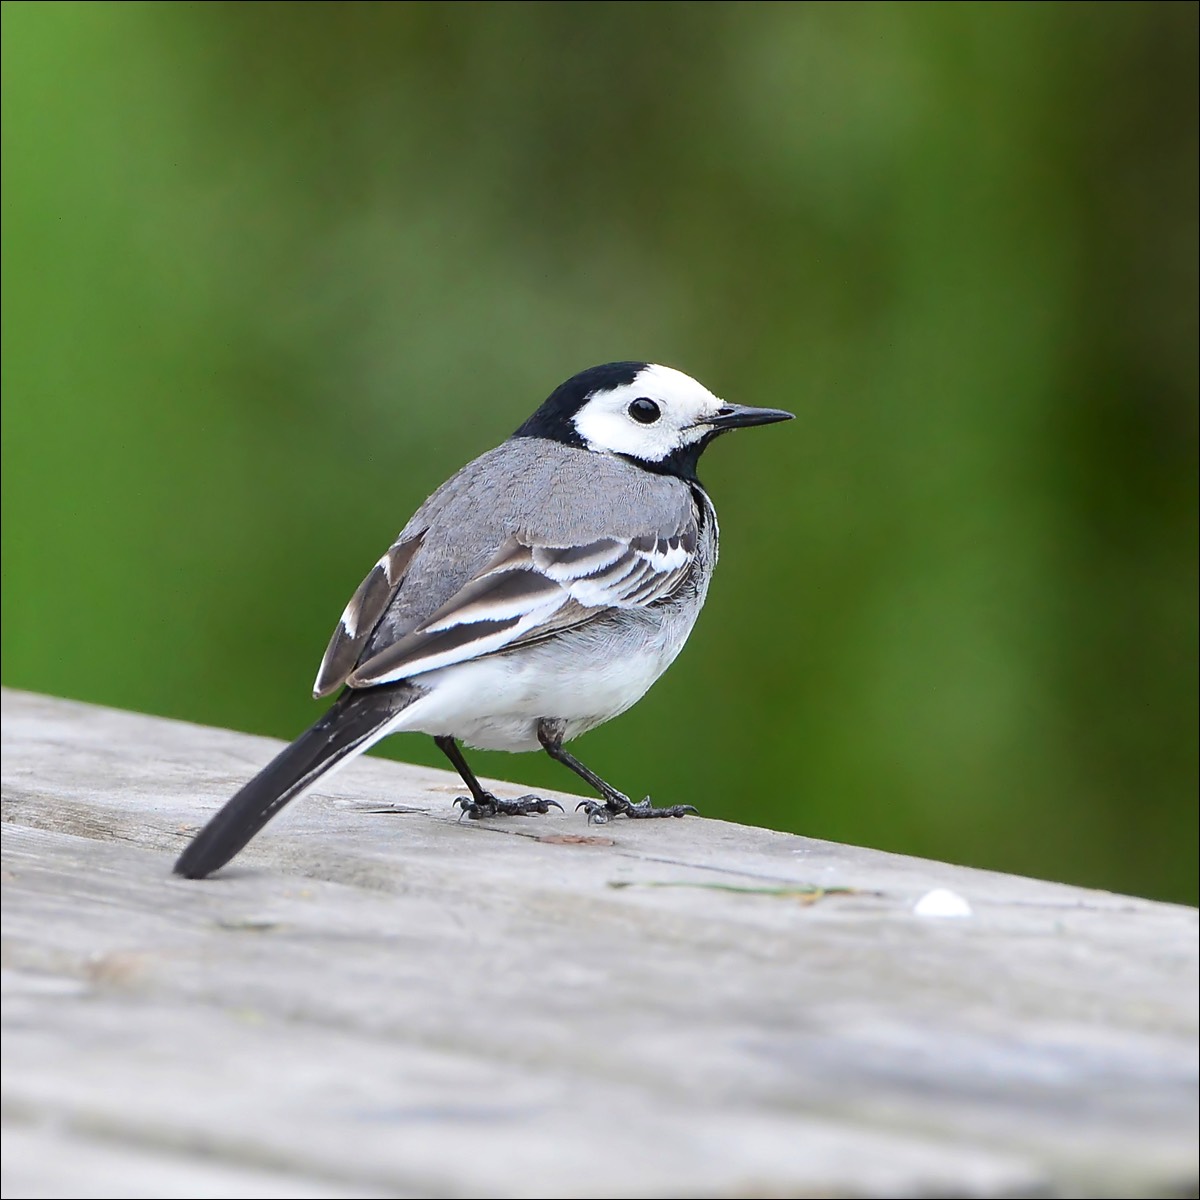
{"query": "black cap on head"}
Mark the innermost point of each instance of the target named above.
(553, 419)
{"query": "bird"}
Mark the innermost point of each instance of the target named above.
(536, 594)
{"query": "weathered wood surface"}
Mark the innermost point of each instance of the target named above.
(395, 1004)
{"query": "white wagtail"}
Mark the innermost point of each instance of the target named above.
(534, 595)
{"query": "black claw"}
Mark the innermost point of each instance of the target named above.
(646, 809)
(533, 804)
(488, 805)
(599, 812)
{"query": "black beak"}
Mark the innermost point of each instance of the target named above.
(734, 416)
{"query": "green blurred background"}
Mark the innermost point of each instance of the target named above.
(272, 271)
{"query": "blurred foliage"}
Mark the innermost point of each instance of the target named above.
(272, 271)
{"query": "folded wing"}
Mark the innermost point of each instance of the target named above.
(525, 593)
(362, 614)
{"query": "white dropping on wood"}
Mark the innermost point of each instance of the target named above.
(942, 902)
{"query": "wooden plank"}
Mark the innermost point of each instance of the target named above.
(398, 1003)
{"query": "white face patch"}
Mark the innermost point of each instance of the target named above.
(606, 422)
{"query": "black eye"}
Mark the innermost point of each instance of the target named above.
(644, 409)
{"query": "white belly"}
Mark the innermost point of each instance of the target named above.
(495, 703)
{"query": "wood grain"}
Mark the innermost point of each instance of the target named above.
(390, 1002)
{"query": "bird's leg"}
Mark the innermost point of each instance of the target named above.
(482, 803)
(550, 734)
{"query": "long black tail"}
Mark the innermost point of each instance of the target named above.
(351, 724)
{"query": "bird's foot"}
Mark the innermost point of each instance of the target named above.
(601, 811)
(488, 805)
